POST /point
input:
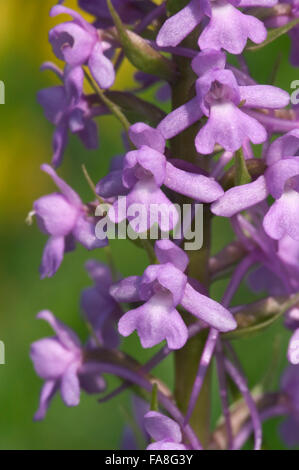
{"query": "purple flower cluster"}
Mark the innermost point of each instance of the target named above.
(65, 219)
(145, 170)
(59, 361)
(224, 102)
(202, 152)
(162, 287)
(225, 27)
(77, 43)
(69, 110)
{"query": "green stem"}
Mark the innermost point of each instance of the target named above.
(91, 184)
(187, 358)
(110, 105)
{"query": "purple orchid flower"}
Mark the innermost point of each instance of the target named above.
(240, 198)
(69, 109)
(129, 11)
(279, 273)
(219, 97)
(282, 179)
(63, 217)
(58, 361)
(78, 43)
(163, 287)
(228, 28)
(278, 270)
(99, 307)
(164, 430)
(111, 186)
(143, 173)
(283, 147)
(281, 182)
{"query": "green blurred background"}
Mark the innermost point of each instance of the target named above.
(25, 145)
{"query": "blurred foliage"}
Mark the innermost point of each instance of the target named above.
(25, 145)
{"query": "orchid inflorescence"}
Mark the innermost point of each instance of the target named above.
(204, 151)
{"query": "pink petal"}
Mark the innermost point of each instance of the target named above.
(167, 252)
(283, 217)
(101, 67)
(181, 118)
(229, 29)
(208, 310)
(70, 386)
(161, 427)
(55, 215)
(47, 393)
(230, 127)
(52, 256)
(240, 197)
(50, 358)
(178, 26)
(264, 96)
(84, 233)
(142, 134)
(66, 190)
(66, 335)
(198, 187)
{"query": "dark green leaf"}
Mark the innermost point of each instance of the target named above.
(135, 108)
